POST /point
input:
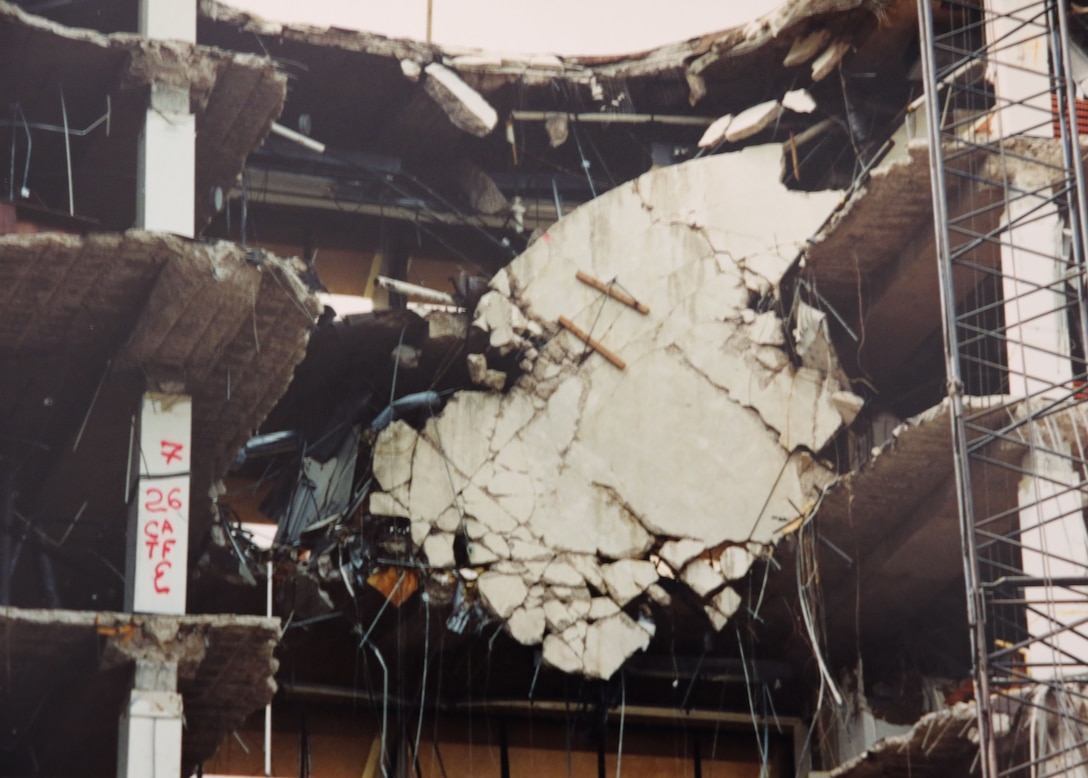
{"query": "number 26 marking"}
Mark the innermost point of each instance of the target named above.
(156, 499)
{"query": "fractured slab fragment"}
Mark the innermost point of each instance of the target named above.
(580, 471)
(559, 654)
(502, 593)
(526, 625)
(609, 642)
(628, 578)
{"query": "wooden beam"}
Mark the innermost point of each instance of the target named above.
(593, 344)
(612, 292)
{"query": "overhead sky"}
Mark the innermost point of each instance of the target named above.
(556, 26)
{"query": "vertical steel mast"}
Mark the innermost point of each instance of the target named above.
(1009, 215)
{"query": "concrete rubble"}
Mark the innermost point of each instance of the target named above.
(582, 482)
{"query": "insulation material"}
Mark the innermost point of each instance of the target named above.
(565, 485)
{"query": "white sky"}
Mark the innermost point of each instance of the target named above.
(550, 26)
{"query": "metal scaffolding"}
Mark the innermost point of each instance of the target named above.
(1010, 219)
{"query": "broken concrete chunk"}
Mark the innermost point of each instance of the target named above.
(420, 530)
(562, 592)
(562, 573)
(609, 642)
(497, 543)
(628, 578)
(558, 127)
(523, 550)
(848, 404)
(479, 505)
(509, 567)
(411, 70)
(586, 566)
(495, 315)
(558, 615)
(658, 594)
(766, 330)
(748, 123)
(383, 504)
(494, 380)
(449, 520)
(477, 368)
(500, 282)
(461, 433)
(465, 107)
(726, 601)
(679, 552)
(474, 530)
(448, 326)
(715, 133)
(580, 604)
(433, 483)
(799, 101)
(717, 619)
(602, 607)
(406, 356)
(526, 625)
(479, 554)
(829, 60)
(558, 654)
(804, 49)
(514, 492)
(735, 562)
(438, 548)
(502, 593)
(575, 635)
(393, 454)
(701, 577)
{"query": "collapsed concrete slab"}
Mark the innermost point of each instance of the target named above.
(703, 442)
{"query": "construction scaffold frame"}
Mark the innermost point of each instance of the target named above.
(1009, 221)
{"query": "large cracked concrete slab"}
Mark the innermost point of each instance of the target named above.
(583, 483)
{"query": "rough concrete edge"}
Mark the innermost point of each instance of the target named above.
(909, 745)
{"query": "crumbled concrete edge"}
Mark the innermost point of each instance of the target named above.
(580, 487)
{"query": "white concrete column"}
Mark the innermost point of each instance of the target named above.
(166, 164)
(1038, 347)
(166, 156)
(168, 19)
(149, 736)
(1055, 545)
(1018, 68)
(156, 572)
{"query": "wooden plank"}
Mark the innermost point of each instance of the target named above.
(612, 292)
(596, 346)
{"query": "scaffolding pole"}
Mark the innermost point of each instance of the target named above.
(1010, 221)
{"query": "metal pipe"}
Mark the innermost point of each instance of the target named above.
(385, 706)
(346, 694)
(1074, 160)
(961, 460)
(298, 137)
(8, 521)
(268, 707)
(613, 118)
(25, 191)
(67, 151)
(414, 290)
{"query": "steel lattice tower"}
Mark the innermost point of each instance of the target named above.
(1009, 215)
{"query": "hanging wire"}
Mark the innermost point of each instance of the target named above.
(623, 715)
(423, 681)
